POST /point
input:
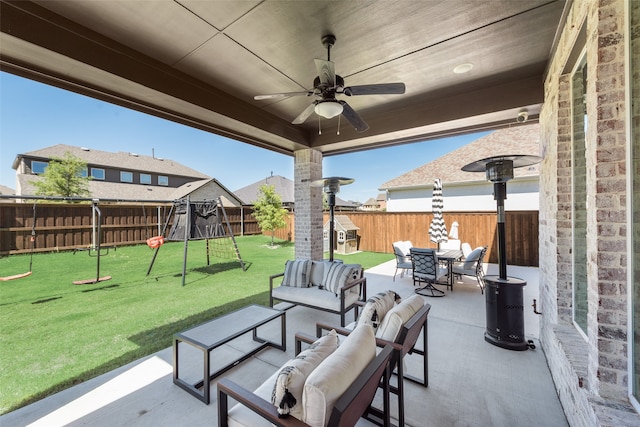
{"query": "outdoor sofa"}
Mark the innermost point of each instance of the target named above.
(330, 286)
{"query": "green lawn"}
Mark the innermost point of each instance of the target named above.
(55, 334)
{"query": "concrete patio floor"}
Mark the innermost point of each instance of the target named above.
(471, 382)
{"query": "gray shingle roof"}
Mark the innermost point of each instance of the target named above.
(119, 160)
(109, 190)
(520, 139)
(6, 190)
(282, 185)
(120, 191)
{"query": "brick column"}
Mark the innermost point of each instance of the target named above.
(564, 237)
(308, 204)
(606, 237)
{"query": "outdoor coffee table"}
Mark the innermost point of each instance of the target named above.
(217, 332)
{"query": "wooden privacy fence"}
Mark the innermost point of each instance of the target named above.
(378, 230)
(67, 226)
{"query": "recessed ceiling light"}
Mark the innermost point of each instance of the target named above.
(463, 68)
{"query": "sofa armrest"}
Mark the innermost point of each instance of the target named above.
(321, 326)
(301, 337)
(268, 411)
(271, 286)
(274, 276)
(363, 290)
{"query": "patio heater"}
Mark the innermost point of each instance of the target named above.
(331, 186)
(504, 295)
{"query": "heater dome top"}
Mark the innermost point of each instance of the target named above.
(519, 160)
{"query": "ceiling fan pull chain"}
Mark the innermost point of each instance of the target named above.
(319, 126)
(338, 125)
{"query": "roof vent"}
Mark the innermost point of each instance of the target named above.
(84, 149)
(133, 154)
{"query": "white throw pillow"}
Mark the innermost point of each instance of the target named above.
(297, 273)
(470, 260)
(336, 276)
(377, 307)
(317, 272)
(287, 391)
(398, 316)
(336, 373)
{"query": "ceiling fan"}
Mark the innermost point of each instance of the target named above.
(327, 85)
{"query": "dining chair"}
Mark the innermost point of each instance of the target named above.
(466, 249)
(427, 269)
(403, 257)
(472, 266)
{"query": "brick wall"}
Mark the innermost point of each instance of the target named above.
(590, 374)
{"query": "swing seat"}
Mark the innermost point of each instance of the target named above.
(92, 281)
(15, 276)
(155, 242)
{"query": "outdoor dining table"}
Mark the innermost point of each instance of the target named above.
(449, 256)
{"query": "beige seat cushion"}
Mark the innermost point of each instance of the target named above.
(287, 391)
(336, 373)
(398, 316)
(304, 364)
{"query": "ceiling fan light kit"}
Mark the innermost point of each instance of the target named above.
(328, 109)
(327, 85)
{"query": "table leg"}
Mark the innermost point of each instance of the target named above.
(283, 333)
(206, 385)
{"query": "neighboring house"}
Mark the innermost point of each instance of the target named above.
(285, 189)
(124, 176)
(382, 201)
(6, 191)
(469, 191)
(370, 205)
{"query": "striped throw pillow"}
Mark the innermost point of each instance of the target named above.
(297, 273)
(336, 276)
(377, 307)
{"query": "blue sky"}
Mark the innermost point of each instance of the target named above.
(35, 115)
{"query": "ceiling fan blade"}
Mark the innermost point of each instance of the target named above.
(304, 115)
(378, 89)
(282, 95)
(353, 117)
(326, 72)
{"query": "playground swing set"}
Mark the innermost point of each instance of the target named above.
(192, 221)
(96, 249)
(197, 221)
(32, 239)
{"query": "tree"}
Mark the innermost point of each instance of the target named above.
(268, 210)
(63, 177)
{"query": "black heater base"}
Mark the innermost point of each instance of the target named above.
(505, 313)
